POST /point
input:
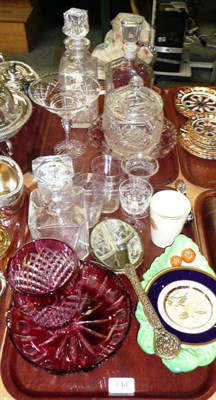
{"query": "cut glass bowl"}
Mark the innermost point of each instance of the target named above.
(94, 333)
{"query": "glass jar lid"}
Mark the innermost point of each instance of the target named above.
(134, 102)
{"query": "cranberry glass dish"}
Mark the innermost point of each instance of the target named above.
(95, 314)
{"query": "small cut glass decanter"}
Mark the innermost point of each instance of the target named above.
(57, 208)
(118, 72)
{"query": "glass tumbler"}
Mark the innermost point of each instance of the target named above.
(109, 167)
(60, 215)
(93, 186)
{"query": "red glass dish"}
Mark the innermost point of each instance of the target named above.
(43, 275)
(41, 266)
(94, 333)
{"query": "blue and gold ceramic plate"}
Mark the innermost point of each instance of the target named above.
(184, 299)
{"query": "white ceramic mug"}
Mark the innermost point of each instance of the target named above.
(169, 210)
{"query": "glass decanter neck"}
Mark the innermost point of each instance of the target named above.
(130, 51)
(80, 44)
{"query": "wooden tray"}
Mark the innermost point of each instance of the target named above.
(168, 170)
(205, 214)
(199, 171)
(152, 379)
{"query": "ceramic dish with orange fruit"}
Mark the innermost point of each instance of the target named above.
(184, 298)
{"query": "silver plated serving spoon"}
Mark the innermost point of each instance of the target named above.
(166, 345)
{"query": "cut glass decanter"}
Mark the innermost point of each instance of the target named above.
(77, 58)
(118, 72)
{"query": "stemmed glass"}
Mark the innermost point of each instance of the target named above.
(140, 164)
(135, 195)
(66, 96)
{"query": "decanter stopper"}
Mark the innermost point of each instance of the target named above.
(131, 29)
(52, 172)
(76, 24)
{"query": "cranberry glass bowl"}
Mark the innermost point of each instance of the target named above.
(94, 333)
(43, 275)
(41, 266)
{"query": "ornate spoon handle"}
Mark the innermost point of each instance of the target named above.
(166, 345)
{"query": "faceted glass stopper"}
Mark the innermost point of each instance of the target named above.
(52, 171)
(76, 23)
(131, 28)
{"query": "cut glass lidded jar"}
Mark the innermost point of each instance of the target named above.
(133, 118)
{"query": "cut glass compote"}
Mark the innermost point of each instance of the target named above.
(65, 95)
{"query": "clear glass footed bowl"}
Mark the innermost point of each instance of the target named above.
(133, 118)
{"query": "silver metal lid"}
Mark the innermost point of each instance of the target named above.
(15, 111)
(16, 75)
